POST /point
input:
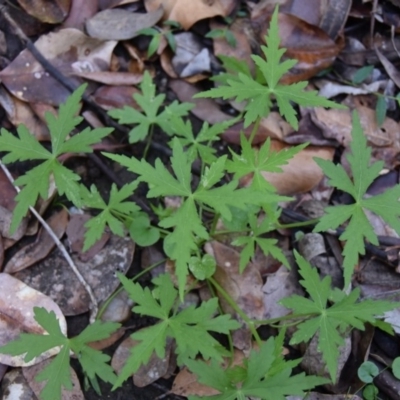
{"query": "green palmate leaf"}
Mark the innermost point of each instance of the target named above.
(199, 145)
(330, 321)
(186, 221)
(258, 377)
(251, 161)
(150, 103)
(259, 93)
(57, 373)
(268, 246)
(118, 206)
(189, 327)
(385, 205)
(25, 147)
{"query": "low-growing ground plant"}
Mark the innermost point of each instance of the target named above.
(215, 193)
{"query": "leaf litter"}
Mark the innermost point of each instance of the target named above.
(77, 55)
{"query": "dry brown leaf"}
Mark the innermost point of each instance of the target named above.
(118, 24)
(79, 12)
(242, 50)
(244, 288)
(54, 277)
(16, 310)
(205, 109)
(328, 15)
(155, 369)
(110, 97)
(76, 237)
(186, 383)
(111, 78)
(69, 50)
(178, 10)
(51, 12)
(30, 374)
(300, 174)
(18, 112)
(109, 340)
(41, 247)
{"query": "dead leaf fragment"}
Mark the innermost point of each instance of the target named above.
(118, 24)
(155, 369)
(244, 288)
(178, 10)
(31, 373)
(300, 174)
(51, 12)
(41, 247)
(69, 50)
(16, 310)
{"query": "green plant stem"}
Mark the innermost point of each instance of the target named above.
(251, 324)
(298, 224)
(121, 288)
(230, 340)
(149, 139)
(254, 130)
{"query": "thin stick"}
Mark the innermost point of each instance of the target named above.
(94, 305)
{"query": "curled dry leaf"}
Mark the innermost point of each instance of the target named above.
(16, 303)
(178, 10)
(18, 112)
(51, 12)
(54, 277)
(41, 247)
(70, 51)
(118, 24)
(300, 174)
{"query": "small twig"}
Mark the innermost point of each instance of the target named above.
(94, 305)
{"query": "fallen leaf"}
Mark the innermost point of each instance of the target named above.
(178, 10)
(16, 303)
(244, 288)
(30, 374)
(300, 174)
(155, 369)
(19, 112)
(118, 24)
(69, 50)
(51, 12)
(41, 247)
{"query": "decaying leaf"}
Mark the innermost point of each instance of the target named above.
(69, 50)
(16, 304)
(178, 10)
